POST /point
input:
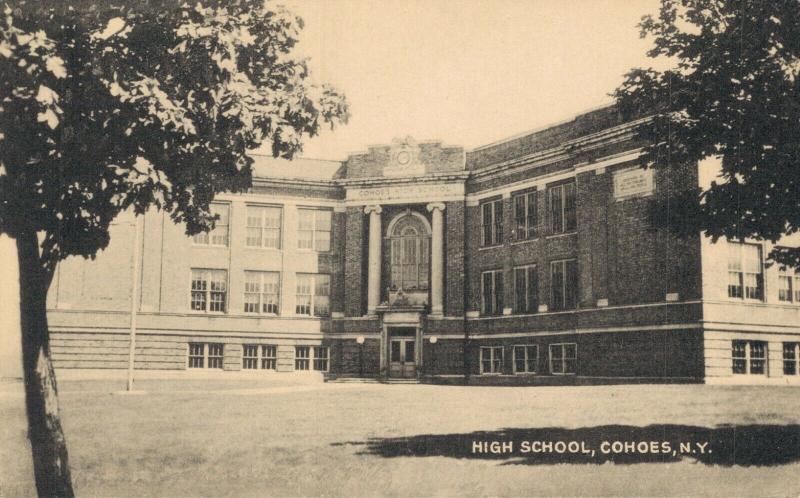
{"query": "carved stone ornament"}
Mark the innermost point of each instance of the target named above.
(404, 158)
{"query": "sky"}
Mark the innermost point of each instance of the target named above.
(465, 72)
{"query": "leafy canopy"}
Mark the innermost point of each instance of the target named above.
(140, 104)
(733, 93)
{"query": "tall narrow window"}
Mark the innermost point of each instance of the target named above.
(749, 357)
(564, 284)
(491, 360)
(492, 223)
(313, 294)
(314, 229)
(261, 292)
(492, 296)
(209, 290)
(302, 357)
(264, 226)
(791, 353)
(410, 254)
(745, 274)
(321, 358)
(526, 289)
(525, 216)
(218, 236)
(563, 210)
(789, 286)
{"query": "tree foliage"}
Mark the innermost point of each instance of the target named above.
(109, 106)
(140, 104)
(732, 93)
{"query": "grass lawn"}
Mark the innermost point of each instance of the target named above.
(264, 437)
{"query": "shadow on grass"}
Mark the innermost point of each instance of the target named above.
(747, 445)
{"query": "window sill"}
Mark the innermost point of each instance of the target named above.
(493, 246)
(563, 374)
(524, 373)
(210, 246)
(523, 241)
(262, 248)
(563, 234)
(210, 313)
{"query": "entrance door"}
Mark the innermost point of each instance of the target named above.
(402, 362)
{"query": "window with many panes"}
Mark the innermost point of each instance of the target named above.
(264, 226)
(321, 358)
(789, 286)
(564, 284)
(491, 359)
(314, 229)
(492, 295)
(526, 358)
(525, 216)
(563, 359)
(262, 292)
(209, 290)
(791, 353)
(409, 247)
(749, 357)
(313, 294)
(303, 359)
(259, 356)
(526, 289)
(492, 223)
(563, 213)
(218, 236)
(745, 271)
(205, 355)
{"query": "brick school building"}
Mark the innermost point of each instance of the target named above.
(531, 260)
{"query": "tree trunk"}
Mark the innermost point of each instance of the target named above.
(50, 464)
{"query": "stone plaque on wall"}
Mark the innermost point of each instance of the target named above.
(633, 182)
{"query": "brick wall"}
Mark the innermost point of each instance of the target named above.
(356, 237)
(454, 264)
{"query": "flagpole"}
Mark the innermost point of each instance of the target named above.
(137, 242)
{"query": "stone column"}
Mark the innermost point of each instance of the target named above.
(437, 257)
(374, 268)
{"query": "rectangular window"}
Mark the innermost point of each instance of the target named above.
(525, 216)
(264, 226)
(789, 286)
(492, 223)
(492, 296)
(262, 292)
(313, 294)
(563, 359)
(563, 210)
(209, 290)
(196, 355)
(564, 284)
(321, 358)
(526, 289)
(302, 355)
(314, 229)
(492, 360)
(205, 355)
(219, 235)
(526, 358)
(749, 357)
(255, 356)
(791, 352)
(250, 357)
(745, 273)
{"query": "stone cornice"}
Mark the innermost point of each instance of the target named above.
(413, 180)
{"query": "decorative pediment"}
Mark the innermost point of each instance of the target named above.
(404, 158)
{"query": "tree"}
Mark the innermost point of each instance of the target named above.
(147, 103)
(733, 93)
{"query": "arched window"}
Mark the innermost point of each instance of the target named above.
(410, 249)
